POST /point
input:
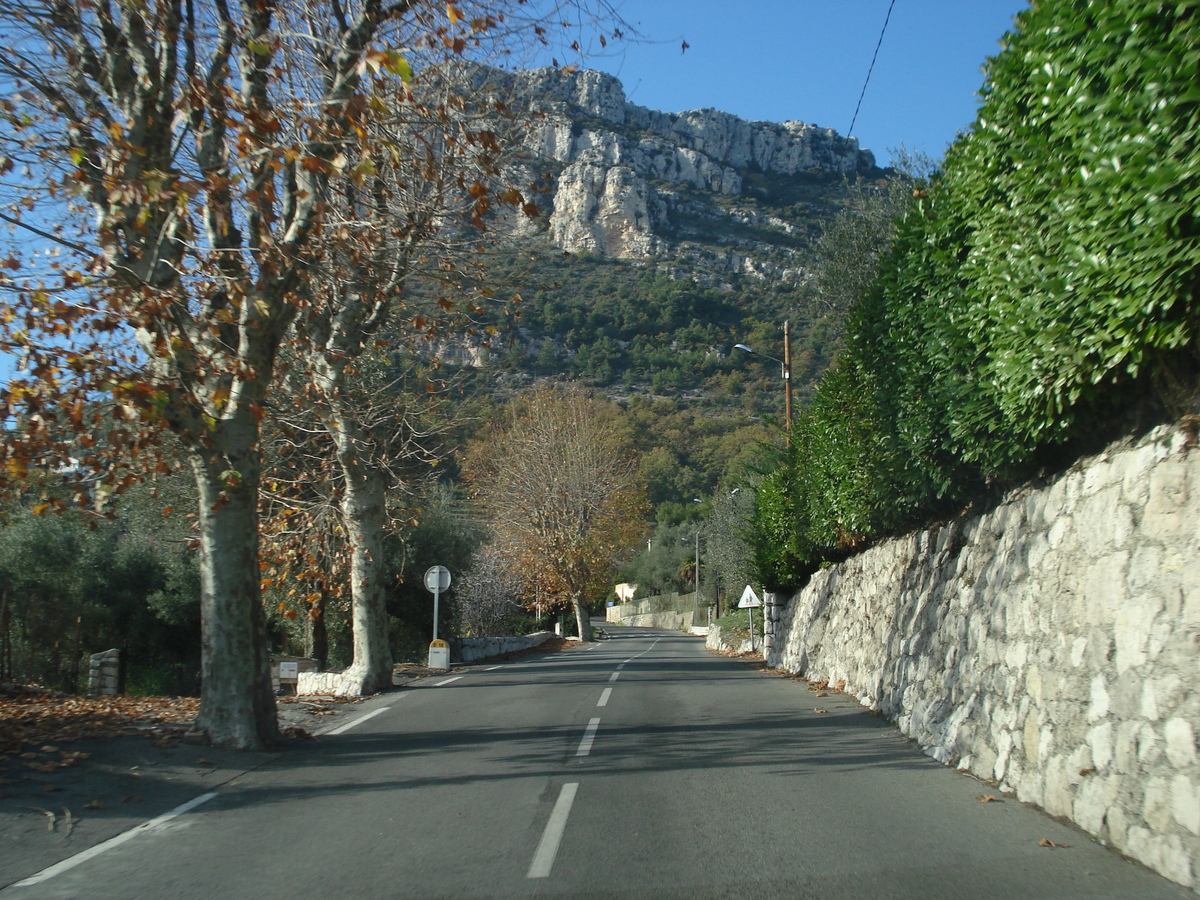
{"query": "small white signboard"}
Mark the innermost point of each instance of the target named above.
(289, 671)
(749, 599)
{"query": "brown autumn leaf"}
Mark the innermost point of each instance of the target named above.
(988, 798)
(95, 804)
(820, 710)
(205, 762)
(1046, 842)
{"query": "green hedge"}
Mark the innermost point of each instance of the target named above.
(1041, 285)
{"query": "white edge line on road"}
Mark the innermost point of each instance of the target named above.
(92, 852)
(589, 735)
(543, 858)
(603, 701)
(493, 668)
(344, 728)
(614, 676)
(447, 681)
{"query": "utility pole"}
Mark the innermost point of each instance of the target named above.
(787, 376)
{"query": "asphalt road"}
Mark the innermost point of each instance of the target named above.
(640, 767)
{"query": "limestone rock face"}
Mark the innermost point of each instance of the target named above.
(630, 182)
(605, 210)
(784, 149)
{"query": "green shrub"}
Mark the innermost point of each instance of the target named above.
(1043, 281)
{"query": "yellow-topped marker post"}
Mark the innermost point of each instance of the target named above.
(437, 579)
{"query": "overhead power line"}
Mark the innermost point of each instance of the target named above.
(871, 68)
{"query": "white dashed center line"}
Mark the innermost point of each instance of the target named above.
(603, 701)
(543, 858)
(92, 852)
(589, 736)
(342, 729)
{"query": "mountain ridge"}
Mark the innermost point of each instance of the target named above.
(628, 182)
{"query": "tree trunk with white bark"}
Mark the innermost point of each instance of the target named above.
(365, 517)
(237, 705)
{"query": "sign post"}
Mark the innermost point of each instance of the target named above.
(749, 601)
(437, 579)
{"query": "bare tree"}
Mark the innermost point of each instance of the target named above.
(417, 212)
(195, 146)
(559, 483)
(332, 503)
(487, 594)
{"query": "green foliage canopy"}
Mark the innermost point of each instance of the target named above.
(1035, 292)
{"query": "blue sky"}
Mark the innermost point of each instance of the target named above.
(807, 59)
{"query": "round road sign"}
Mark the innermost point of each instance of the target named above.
(437, 579)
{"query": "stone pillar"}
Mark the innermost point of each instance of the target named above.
(770, 618)
(104, 673)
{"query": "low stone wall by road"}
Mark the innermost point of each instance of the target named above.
(677, 612)
(1051, 645)
(322, 683)
(723, 641)
(471, 649)
(676, 621)
(461, 650)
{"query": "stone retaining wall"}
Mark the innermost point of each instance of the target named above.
(1051, 645)
(675, 621)
(471, 649)
(722, 641)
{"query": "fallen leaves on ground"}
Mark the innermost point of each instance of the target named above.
(987, 798)
(33, 723)
(1046, 842)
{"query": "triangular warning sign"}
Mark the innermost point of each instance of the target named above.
(749, 598)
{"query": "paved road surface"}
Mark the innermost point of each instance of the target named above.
(640, 767)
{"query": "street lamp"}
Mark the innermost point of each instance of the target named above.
(786, 362)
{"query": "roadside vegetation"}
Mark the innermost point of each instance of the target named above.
(962, 328)
(1038, 298)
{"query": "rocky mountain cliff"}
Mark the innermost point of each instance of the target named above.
(703, 192)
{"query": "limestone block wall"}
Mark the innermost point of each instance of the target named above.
(471, 649)
(671, 619)
(1051, 645)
